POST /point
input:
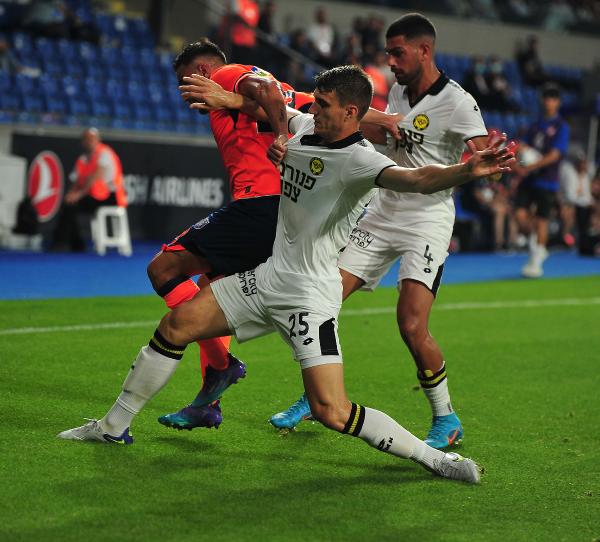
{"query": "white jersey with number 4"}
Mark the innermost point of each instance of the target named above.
(434, 131)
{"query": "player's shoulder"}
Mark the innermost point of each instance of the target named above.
(454, 93)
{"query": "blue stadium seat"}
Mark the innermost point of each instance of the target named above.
(78, 107)
(72, 87)
(110, 55)
(6, 81)
(25, 84)
(88, 52)
(52, 67)
(68, 49)
(95, 87)
(122, 111)
(47, 48)
(32, 103)
(148, 59)
(10, 101)
(55, 103)
(22, 45)
(101, 108)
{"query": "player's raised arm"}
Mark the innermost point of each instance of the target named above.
(428, 179)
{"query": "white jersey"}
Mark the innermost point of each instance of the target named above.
(323, 191)
(434, 131)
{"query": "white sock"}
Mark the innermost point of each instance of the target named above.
(435, 388)
(147, 376)
(382, 432)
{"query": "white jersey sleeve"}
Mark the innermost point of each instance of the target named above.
(466, 121)
(364, 167)
(301, 123)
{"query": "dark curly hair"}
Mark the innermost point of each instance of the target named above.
(203, 47)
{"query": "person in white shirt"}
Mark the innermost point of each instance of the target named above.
(439, 118)
(576, 200)
(328, 171)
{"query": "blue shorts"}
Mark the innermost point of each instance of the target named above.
(235, 238)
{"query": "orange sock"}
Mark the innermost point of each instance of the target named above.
(183, 292)
(214, 352)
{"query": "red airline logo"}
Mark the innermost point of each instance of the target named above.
(45, 184)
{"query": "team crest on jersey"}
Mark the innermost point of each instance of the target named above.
(420, 122)
(316, 166)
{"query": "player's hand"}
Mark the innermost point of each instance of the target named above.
(392, 125)
(73, 196)
(204, 94)
(277, 149)
(494, 159)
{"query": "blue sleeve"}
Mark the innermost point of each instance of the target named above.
(561, 138)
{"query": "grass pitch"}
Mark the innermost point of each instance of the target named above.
(524, 381)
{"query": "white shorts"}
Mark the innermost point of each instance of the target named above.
(306, 323)
(376, 243)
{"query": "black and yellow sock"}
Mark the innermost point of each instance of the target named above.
(435, 387)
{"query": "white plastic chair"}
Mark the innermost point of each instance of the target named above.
(120, 237)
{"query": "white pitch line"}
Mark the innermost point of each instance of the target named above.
(521, 304)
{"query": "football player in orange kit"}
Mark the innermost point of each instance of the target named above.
(236, 237)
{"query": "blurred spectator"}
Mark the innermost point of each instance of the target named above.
(297, 75)
(576, 209)
(530, 64)
(499, 87)
(378, 70)
(595, 219)
(98, 181)
(475, 83)
(322, 36)
(47, 18)
(559, 15)
(238, 27)
(371, 37)
(10, 64)
(270, 57)
(8, 61)
(549, 136)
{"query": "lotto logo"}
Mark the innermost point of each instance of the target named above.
(45, 184)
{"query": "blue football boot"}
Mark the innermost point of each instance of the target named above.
(445, 431)
(191, 417)
(290, 418)
(216, 382)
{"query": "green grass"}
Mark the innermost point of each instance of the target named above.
(525, 382)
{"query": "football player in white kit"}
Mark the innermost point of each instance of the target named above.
(328, 173)
(439, 118)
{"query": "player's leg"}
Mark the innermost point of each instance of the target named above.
(414, 306)
(200, 318)
(544, 200)
(235, 238)
(363, 262)
(324, 385)
(300, 410)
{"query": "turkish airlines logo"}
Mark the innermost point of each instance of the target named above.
(45, 184)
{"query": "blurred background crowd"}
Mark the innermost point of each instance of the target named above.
(80, 63)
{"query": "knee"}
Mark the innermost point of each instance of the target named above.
(159, 272)
(411, 328)
(174, 329)
(331, 415)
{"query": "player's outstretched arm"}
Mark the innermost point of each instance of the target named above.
(428, 179)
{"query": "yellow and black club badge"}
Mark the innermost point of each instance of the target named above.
(316, 166)
(421, 121)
